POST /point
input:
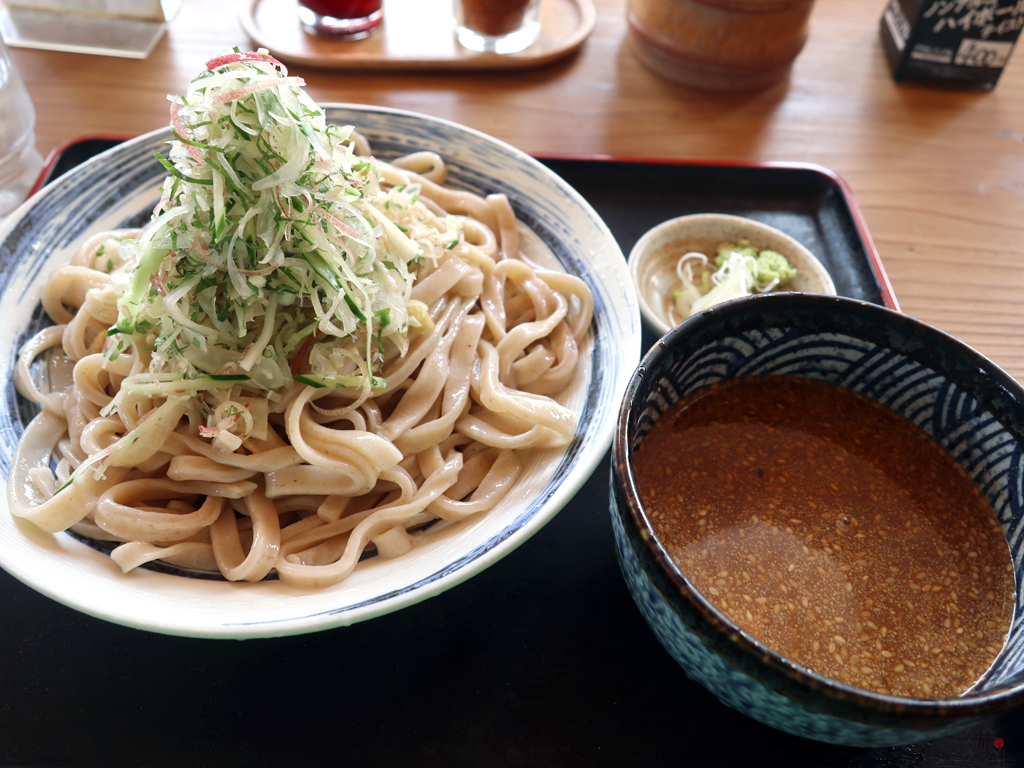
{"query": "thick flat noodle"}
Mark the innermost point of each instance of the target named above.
(120, 510)
(381, 520)
(192, 555)
(65, 508)
(23, 381)
(293, 478)
(236, 564)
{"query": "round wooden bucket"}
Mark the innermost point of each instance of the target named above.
(725, 45)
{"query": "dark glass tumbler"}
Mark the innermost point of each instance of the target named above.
(340, 19)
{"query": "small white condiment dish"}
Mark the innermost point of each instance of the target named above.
(652, 262)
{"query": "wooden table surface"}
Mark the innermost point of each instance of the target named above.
(937, 171)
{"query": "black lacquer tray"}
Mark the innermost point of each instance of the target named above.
(541, 660)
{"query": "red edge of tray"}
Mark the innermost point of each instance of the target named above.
(60, 149)
(875, 260)
(885, 287)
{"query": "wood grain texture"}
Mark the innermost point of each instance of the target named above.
(938, 171)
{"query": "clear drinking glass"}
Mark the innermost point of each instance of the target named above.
(20, 163)
(341, 19)
(497, 26)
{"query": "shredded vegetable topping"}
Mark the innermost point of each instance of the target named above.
(741, 270)
(270, 235)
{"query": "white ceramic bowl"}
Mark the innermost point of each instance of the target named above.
(120, 188)
(652, 262)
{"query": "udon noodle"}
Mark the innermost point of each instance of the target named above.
(305, 478)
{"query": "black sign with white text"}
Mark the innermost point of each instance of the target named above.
(965, 40)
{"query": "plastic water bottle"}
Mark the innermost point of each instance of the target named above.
(20, 163)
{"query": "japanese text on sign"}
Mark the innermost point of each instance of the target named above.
(987, 17)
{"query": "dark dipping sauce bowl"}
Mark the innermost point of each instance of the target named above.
(969, 405)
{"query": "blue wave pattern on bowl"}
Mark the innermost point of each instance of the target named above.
(121, 187)
(971, 434)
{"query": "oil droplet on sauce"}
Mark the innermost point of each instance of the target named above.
(833, 530)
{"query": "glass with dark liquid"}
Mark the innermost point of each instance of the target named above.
(340, 19)
(497, 26)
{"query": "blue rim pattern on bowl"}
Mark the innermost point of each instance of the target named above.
(120, 187)
(850, 344)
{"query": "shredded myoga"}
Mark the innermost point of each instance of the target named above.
(307, 354)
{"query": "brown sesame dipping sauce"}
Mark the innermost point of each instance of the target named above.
(834, 531)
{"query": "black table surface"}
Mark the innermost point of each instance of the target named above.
(541, 660)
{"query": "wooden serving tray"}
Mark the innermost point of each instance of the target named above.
(415, 34)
